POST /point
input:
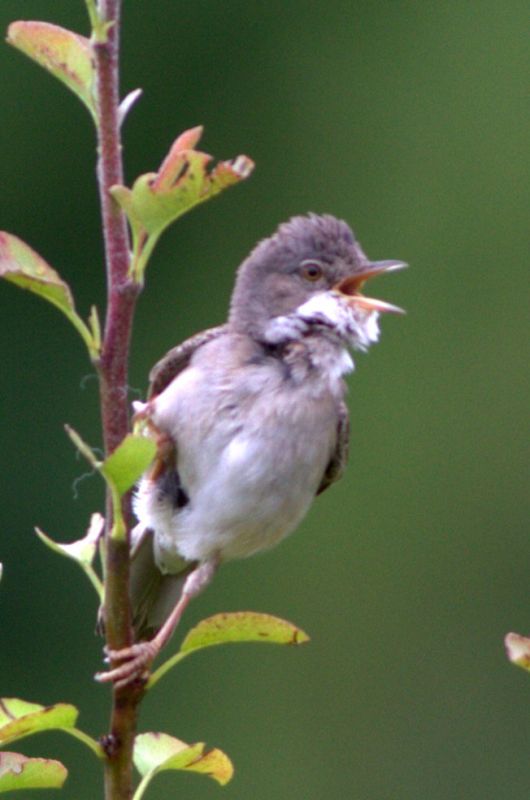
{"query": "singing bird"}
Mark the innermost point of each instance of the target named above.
(250, 420)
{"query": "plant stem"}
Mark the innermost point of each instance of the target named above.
(112, 367)
(87, 740)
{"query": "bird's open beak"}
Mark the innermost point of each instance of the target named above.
(352, 285)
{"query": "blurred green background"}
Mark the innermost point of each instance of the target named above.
(411, 121)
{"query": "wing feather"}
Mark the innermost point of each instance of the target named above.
(339, 459)
(178, 358)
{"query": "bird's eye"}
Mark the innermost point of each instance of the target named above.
(311, 270)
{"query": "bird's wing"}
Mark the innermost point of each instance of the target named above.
(178, 359)
(338, 461)
(153, 595)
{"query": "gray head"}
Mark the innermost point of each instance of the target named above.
(306, 256)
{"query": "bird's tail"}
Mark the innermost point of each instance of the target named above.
(153, 594)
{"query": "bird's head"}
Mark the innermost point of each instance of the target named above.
(308, 276)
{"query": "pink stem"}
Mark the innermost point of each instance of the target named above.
(113, 376)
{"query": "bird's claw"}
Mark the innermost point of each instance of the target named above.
(133, 664)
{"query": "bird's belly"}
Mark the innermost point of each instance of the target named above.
(251, 496)
(250, 459)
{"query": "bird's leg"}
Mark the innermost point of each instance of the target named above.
(132, 663)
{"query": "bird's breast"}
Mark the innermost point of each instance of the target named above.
(251, 451)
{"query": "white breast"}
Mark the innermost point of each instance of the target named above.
(331, 315)
(250, 462)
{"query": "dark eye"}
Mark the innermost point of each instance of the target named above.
(311, 270)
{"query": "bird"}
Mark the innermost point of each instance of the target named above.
(250, 421)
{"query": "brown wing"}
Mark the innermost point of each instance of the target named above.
(178, 359)
(339, 459)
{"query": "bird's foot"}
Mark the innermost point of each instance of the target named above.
(132, 664)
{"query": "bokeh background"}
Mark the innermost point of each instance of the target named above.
(411, 121)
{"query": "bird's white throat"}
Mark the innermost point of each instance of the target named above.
(331, 314)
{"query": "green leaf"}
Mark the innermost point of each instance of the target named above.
(128, 462)
(21, 265)
(158, 752)
(242, 626)
(518, 650)
(66, 55)
(19, 772)
(239, 626)
(19, 718)
(82, 551)
(120, 470)
(125, 464)
(159, 198)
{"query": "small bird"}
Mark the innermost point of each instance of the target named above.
(250, 421)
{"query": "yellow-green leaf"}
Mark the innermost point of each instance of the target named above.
(154, 206)
(19, 772)
(82, 551)
(183, 180)
(158, 752)
(229, 628)
(64, 54)
(127, 463)
(214, 763)
(242, 626)
(21, 265)
(153, 750)
(19, 718)
(120, 470)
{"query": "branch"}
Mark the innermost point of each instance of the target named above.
(113, 376)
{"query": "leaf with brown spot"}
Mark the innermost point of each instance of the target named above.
(159, 752)
(19, 718)
(21, 265)
(19, 772)
(183, 181)
(242, 626)
(64, 54)
(230, 628)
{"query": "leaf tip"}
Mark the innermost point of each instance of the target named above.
(518, 649)
(11, 32)
(42, 536)
(242, 166)
(188, 139)
(300, 636)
